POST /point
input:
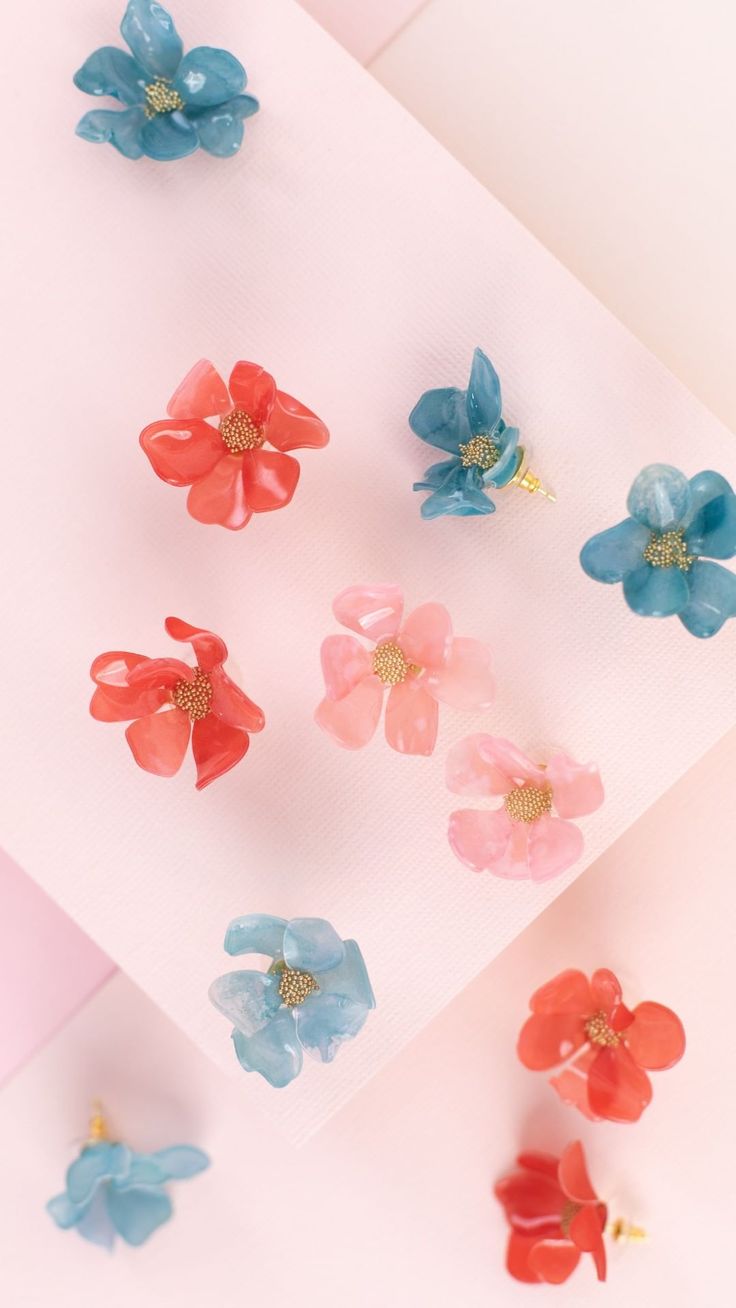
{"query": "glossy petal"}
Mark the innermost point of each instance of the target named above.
(216, 747)
(122, 128)
(605, 990)
(573, 1175)
(144, 1170)
(110, 71)
(202, 394)
(220, 496)
(95, 1223)
(210, 650)
(586, 1232)
(256, 933)
(533, 1202)
(656, 1037)
(248, 999)
(274, 1051)
(489, 765)
(466, 681)
(110, 670)
(610, 555)
(483, 842)
(292, 426)
(660, 497)
(656, 592)
(124, 705)
(576, 787)
(441, 418)
(136, 1213)
(711, 530)
(517, 1257)
(169, 136)
(149, 31)
(618, 1089)
(372, 611)
(508, 461)
(568, 992)
(311, 944)
(220, 129)
(484, 395)
(179, 1162)
(426, 636)
(352, 721)
(159, 742)
(181, 450)
(571, 1083)
(154, 673)
(345, 662)
(96, 1163)
(459, 496)
(546, 1041)
(553, 1261)
(411, 718)
(712, 599)
(270, 479)
(323, 1022)
(231, 704)
(349, 978)
(253, 389)
(554, 845)
(207, 77)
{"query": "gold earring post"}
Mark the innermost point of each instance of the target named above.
(622, 1231)
(527, 480)
(98, 1132)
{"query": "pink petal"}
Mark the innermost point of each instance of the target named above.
(466, 681)
(426, 636)
(488, 842)
(571, 1083)
(292, 426)
(220, 496)
(372, 611)
(232, 705)
(573, 1175)
(217, 747)
(202, 394)
(209, 649)
(568, 992)
(181, 450)
(254, 390)
(576, 787)
(351, 721)
(656, 1038)
(554, 845)
(344, 663)
(270, 479)
(411, 719)
(488, 765)
(159, 742)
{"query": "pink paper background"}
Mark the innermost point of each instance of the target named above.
(363, 27)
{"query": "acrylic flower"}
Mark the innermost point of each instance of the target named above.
(662, 552)
(468, 426)
(555, 1216)
(315, 995)
(166, 701)
(231, 474)
(531, 834)
(607, 1048)
(420, 662)
(173, 102)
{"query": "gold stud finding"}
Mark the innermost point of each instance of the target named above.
(527, 480)
(624, 1232)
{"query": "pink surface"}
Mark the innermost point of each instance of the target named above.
(364, 27)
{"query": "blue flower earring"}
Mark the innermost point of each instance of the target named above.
(315, 995)
(173, 102)
(662, 552)
(112, 1191)
(485, 452)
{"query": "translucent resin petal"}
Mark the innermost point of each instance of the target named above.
(482, 841)
(489, 765)
(216, 747)
(345, 662)
(253, 389)
(483, 396)
(533, 1202)
(573, 1175)
(568, 992)
(169, 136)
(110, 71)
(256, 933)
(440, 418)
(618, 1089)
(63, 1211)
(518, 1250)
(159, 742)
(95, 1223)
(220, 496)
(372, 611)
(610, 555)
(122, 128)
(181, 450)
(220, 129)
(149, 31)
(656, 1037)
(311, 944)
(577, 788)
(274, 1051)
(231, 704)
(466, 682)
(207, 77)
(412, 719)
(554, 1261)
(202, 394)
(352, 721)
(554, 845)
(248, 999)
(137, 1213)
(586, 1232)
(324, 1022)
(292, 426)
(349, 978)
(426, 636)
(712, 528)
(270, 479)
(712, 599)
(179, 1162)
(96, 1163)
(546, 1041)
(656, 592)
(660, 497)
(210, 650)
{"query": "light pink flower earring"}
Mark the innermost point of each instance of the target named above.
(530, 836)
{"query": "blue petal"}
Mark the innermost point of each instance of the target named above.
(114, 72)
(612, 553)
(323, 1022)
(96, 1224)
(712, 528)
(712, 599)
(458, 496)
(208, 77)
(121, 127)
(440, 418)
(144, 1170)
(312, 945)
(169, 136)
(247, 999)
(95, 1163)
(64, 1212)
(149, 31)
(221, 129)
(255, 933)
(274, 1052)
(484, 395)
(136, 1214)
(656, 592)
(350, 978)
(660, 497)
(179, 1162)
(505, 467)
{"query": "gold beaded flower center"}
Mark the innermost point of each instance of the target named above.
(479, 452)
(240, 432)
(600, 1033)
(570, 1211)
(390, 664)
(296, 986)
(527, 803)
(668, 549)
(161, 98)
(194, 697)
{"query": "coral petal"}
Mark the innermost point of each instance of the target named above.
(554, 845)
(217, 747)
(253, 389)
(209, 649)
(426, 636)
(618, 1089)
(159, 742)
(568, 992)
(123, 705)
(536, 1162)
(270, 479)
(292, 426)
(533, 1202)
(605, 990)
(202, 394)
(482, 841)
(573, 1175)
(571, 1084)
(411, 719)
(466, 681)
(156, 673)
(111, 669)
(576, 787)
(181, 450)
(656, 1037)
(517, 1257)
(553, 1261)
(586, 1232)
(344, 663)
(351, 721)
(219, 497)
(232, 705)
(372, 611)
(547, 1040)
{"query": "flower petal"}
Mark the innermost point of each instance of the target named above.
(96, 1163)
(545, 1041)
(586, 1232)
(656, 1037)
(248, 999)
(274, 1051)
(618, 1089)
(489, 765)
(95, 1223)
(712, 599)
(518, 1250)
(349, 978)
(466, 682)
(712, 528)
(440, 417)
(64, 1212)
(508, 460)
(202, 394)
(553, 1261)
(554, 845)
(159, 741)
(573, 1175)
(181, 450)
(231, 704)
(169, 136)
(207, 76)
(149, 31)
(124, 705)
(484, 395)
(571, 1083)
(110, 670)
(426, 636)
(323, 1022)
(459, 495)
(660, 497)
(292, 426)
(110, 71)
(154, 673)
(311, 944)
(611, 554)
(138, 1212)
(119, 127)
(412, 717)
(656, 592)
(351, 721)
(568, 992)
(483, 842)
(256, 933)
(179, 1162)
(210, 650)
(533, 1202)
(270, 479)
(220, 496)
(576, 787)
(253, 389)
(344, 663)
(220, 129)
(372, 611)
(216, 747)
(605, 991)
